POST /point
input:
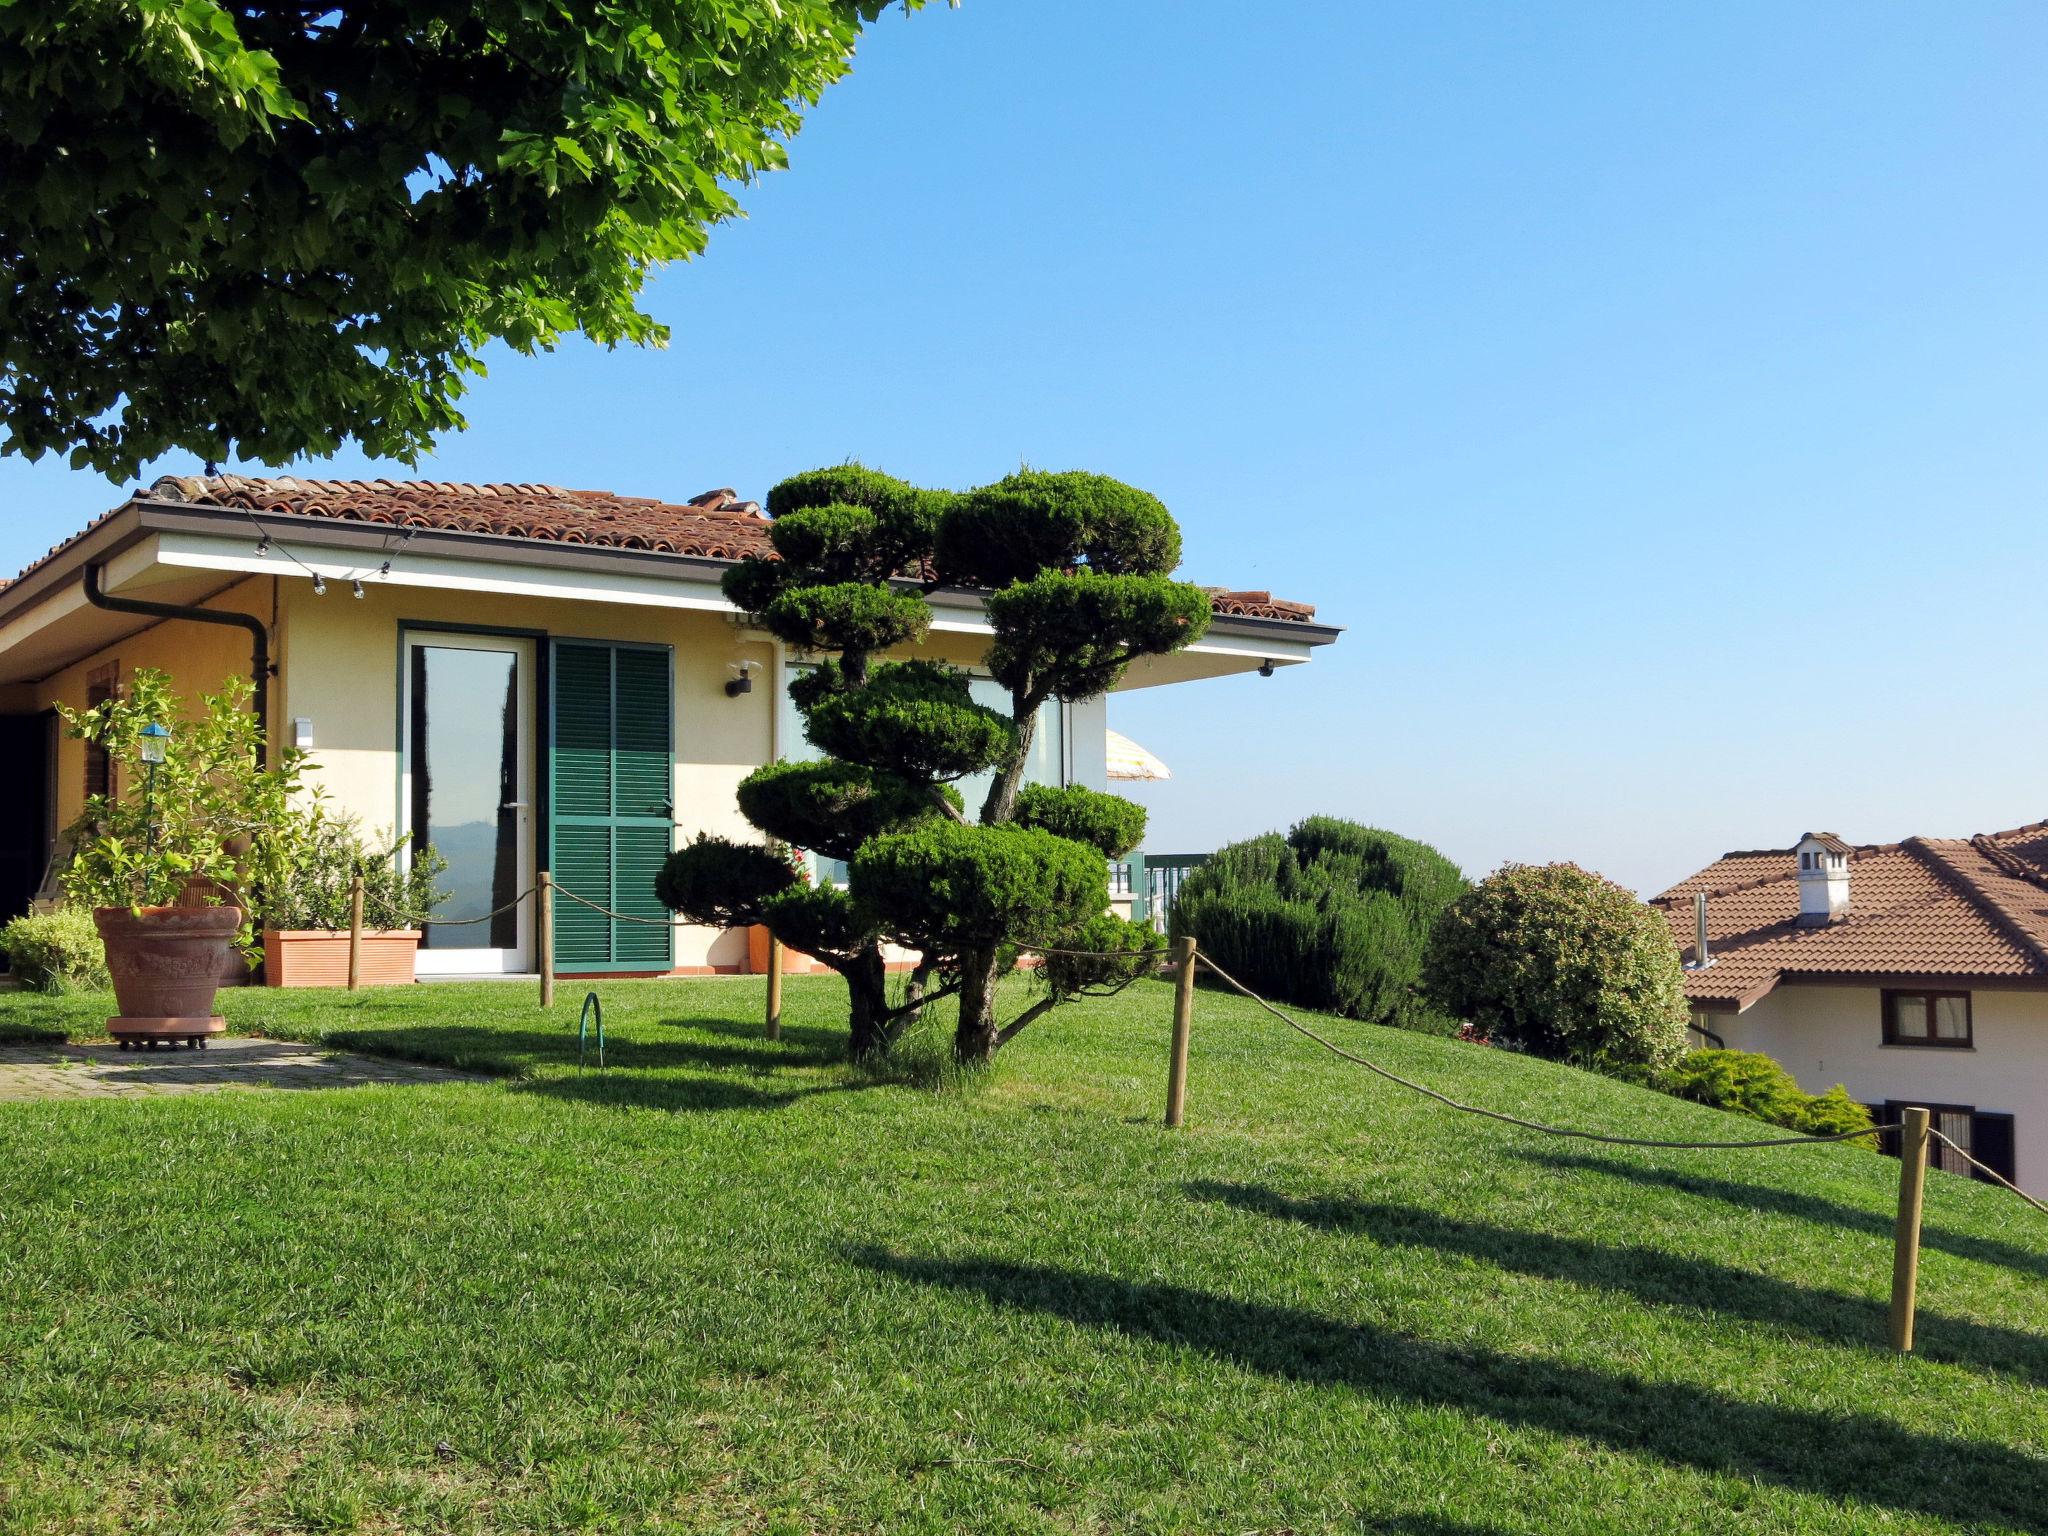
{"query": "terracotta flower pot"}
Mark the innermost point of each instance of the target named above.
(793, 964)
(318, 957)
(166, 963)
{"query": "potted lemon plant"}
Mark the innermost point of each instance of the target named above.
(195, 816)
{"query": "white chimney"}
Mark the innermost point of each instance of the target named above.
(1823, 879)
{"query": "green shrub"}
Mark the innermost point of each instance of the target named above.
(955, 885)
(1333, 915)
(56, 951)
(1109, 823)
(1560, 963)
(334, 850)
(724, 884)
(1755, 1085)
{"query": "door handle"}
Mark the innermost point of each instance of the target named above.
(513, 805)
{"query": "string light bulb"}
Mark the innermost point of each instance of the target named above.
(356, 590)
(319, 585)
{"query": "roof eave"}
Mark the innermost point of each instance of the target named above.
(143, 515)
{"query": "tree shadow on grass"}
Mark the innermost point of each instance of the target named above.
(807, 1045)
(509, 1052)
(1844, 1456)
(613, 1089)
(1654, 1277)
(1801, 1207)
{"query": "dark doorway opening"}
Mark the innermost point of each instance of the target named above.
(27, 743)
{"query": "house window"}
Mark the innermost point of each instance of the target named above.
(1985, 1136)
(1939, 1019)
(101, 684)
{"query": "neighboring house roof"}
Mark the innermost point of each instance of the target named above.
(716, 525)
(1969, 909)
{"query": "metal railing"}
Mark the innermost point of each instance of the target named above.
(1151, 882)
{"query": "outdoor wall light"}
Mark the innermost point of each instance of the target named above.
(743, 680)
(1266, 668)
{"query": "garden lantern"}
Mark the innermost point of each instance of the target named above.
(154, 739)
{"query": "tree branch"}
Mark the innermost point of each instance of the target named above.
(1037, 1010)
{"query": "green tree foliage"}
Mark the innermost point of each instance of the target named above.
(1076, 566)
(1755, 1085)
(1109, 824)
(264, 230)
(1561, 963)
(1333, 915)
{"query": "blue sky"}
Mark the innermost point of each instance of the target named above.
(1655, 393)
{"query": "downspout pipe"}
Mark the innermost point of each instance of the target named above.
(259, 637)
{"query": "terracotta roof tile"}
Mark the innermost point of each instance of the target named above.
(1972, 908)
(716, 525)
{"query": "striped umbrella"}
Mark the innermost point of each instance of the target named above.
(1128, 760)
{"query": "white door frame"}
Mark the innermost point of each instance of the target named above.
(492, 961)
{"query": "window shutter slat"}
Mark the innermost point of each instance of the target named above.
(612, 824)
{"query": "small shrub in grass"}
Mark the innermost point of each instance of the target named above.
(1752, 1084)
(1558, 962)
(1333, 915)
(56, 951)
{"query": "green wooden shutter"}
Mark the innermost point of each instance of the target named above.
(610, 822)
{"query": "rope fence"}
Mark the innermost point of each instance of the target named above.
(1915, 1129)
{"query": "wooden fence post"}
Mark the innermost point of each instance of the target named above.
(1906, 1236)
(1183, 1016)
(355, 932)
(774, 987)
(545, 938)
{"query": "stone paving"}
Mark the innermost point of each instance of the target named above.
(238, 1061)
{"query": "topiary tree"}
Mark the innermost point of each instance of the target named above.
(1561, 963)
(1076, 570)
(1333, 915)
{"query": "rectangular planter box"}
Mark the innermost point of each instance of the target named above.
(313, 957)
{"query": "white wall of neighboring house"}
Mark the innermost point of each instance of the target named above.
(1825, 1035)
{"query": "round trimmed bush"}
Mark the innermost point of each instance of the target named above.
(1333, 915)
(1558, 962)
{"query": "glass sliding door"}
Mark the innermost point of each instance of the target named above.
(468, 793)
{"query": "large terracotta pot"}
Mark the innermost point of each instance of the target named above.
(793, 964)
(318, 957)
(166, 963)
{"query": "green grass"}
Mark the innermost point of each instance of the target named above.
(726, 1285)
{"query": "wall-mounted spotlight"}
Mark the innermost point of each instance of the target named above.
(742, 681)
(1266, 668)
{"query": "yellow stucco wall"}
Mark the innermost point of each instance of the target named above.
(339, 661)
(341, 672)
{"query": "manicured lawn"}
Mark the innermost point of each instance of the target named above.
(730, 1286)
